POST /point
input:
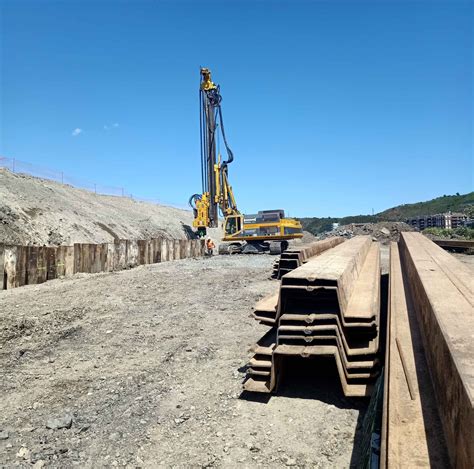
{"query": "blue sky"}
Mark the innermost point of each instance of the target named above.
(331, 108)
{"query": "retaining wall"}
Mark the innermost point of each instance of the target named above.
(30, 265)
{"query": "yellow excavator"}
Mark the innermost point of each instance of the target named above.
(268, 230)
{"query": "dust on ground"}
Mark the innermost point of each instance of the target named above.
(148, 364)
(306, 239)
(43, 212)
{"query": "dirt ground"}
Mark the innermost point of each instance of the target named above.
(149, 365)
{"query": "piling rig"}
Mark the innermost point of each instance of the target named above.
(268, 230)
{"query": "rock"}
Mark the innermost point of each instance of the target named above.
(39, 464)
(290, 462)
(84, 428)
(23, 453)
(4, 435)
(385, 231)
(58, 423)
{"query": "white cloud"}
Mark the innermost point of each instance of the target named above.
(76, 132)
(111, 126)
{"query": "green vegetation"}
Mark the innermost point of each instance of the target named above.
(462, 232)
(454, 203)
(319, 225)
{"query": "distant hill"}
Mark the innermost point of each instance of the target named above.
(455, 203)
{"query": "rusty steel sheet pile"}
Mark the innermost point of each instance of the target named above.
(330, 306)
(430, 358)
(295, 257)
(412, 434)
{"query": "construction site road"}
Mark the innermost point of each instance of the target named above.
(146, 366)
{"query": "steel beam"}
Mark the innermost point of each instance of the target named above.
(411, 429)
(441, 288)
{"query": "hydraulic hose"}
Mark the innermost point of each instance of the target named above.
(215, 99)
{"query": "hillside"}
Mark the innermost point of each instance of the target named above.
(455, 203)
(38, 211)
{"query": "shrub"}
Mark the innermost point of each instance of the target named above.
(463, 232)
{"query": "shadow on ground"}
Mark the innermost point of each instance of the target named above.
(311, 378)
(306, 378)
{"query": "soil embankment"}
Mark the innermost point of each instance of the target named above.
(43, 212)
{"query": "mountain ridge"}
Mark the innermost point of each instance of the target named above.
(463, 203)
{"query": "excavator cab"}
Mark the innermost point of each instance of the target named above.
(233, 225)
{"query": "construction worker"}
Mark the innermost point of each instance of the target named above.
(210, 247)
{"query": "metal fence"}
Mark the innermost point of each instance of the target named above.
(22, 167)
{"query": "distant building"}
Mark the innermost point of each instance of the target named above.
(443, 220)
(335, 226)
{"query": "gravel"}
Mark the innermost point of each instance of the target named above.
(384, 232)
(43, 212)
(60, 422)
(163, 388)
